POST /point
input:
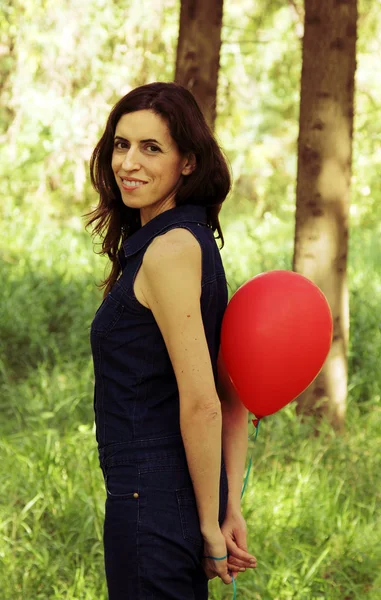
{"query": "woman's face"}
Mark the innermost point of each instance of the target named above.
(147, 164)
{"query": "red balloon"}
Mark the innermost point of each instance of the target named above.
(275, 337)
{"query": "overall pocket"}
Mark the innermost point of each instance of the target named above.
(190, 522)
(107, 315)
(122, 482)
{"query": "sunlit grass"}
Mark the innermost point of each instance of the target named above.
(312, 503)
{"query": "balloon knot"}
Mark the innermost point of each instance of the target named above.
(255, 422)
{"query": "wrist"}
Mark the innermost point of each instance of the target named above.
(233, 507)
(208, 530)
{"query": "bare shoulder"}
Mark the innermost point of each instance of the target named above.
(178, 236)
(176, 245)
(173, 290)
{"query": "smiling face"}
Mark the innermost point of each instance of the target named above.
(147, 164)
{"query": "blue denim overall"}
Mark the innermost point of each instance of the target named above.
(152, 540)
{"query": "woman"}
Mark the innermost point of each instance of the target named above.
(167, 440)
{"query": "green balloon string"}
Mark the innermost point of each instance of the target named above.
(242, 493)
(250, 462)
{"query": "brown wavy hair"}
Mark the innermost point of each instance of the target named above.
(208, 185)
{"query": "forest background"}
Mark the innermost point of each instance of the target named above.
(311, 502)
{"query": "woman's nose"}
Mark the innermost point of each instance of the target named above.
(130, 159)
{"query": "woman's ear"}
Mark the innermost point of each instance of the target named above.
(190, 165)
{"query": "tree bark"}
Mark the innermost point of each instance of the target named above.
(198, 52)
(323, 185)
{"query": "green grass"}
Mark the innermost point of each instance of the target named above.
(311, 511)
(312, 503)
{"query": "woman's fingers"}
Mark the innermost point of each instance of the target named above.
(236, 568)
(234, 529)
(236, 564)
(239, 557)
(242, 560)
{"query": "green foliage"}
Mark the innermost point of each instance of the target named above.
(258, 105)
(311, 521)
(70, 64)
(365, 322)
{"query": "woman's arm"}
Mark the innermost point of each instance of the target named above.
(172, 288)
(235, 445)
(234, 434)
(201, 433)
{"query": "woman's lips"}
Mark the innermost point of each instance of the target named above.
(130, 188)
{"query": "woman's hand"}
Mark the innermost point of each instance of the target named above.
(215, 545)
(234, 531)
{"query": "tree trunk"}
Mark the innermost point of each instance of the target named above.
(198, 52)
(323, 185)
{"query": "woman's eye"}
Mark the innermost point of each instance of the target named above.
(154, 148)
(122, 145)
